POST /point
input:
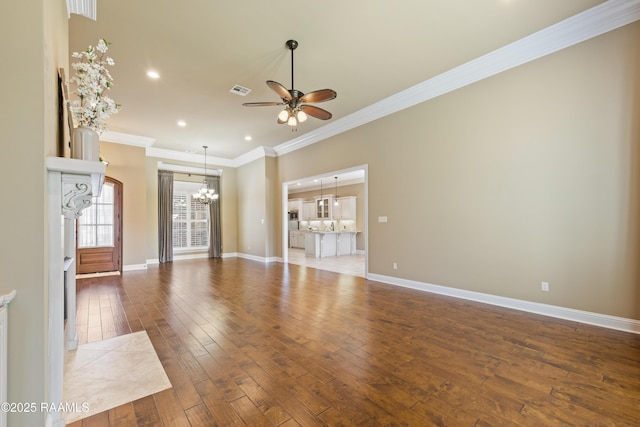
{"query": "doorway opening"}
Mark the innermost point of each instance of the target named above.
(316, 207)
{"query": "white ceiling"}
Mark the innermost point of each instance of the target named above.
(366, 50)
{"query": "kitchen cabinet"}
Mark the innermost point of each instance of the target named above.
(320, 244)
(296, 239)
(346, 244)
(309, 211)
(329, 243)
(346, 208)
(312, 244)
(295, 205)
(323, 207)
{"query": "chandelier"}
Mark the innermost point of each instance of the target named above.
(205, 195)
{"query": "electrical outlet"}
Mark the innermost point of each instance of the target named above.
(544, 286)
(395, 265)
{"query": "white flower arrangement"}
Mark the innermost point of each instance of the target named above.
(93, 80)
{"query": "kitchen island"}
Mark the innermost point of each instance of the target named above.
(330, 243)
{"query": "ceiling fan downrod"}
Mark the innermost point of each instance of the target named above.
(292, 45)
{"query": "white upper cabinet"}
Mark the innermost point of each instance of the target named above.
(309, 211)
(345, 209)
(295, 205)
(324, 207)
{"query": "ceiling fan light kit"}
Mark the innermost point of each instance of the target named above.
(296, 110)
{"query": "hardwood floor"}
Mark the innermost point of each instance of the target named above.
(247, 343)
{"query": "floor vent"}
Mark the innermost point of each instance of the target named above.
(240, 90)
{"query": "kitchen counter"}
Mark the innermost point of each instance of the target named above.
(330, 243)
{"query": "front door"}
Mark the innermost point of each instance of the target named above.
(99, 229)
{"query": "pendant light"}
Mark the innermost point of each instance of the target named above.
(320, 201)
(205, 195)
(336, 203)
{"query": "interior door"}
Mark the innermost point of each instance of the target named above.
(99, 232)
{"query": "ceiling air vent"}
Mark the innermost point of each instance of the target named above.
(240, 90)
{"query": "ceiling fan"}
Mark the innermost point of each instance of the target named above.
(296, 108)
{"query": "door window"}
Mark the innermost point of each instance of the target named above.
(95, 225)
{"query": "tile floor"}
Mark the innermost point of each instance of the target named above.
(101, 375)
(347, 264)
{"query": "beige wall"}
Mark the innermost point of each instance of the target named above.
(525, 177)
(273, 201)
(252, 208)
(28, 119)
(126, 164)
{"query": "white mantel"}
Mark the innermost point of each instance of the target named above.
(5, 298)
(71, 185)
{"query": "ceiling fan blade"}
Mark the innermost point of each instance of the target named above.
(319, 96)
(316, 112)
(261, 104)
(279, 89)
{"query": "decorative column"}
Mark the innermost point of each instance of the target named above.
(71, 185)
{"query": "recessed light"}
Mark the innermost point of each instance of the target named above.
(248, 138)
(182, 123)
(153, 74)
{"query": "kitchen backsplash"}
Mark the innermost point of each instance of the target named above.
(325, 225)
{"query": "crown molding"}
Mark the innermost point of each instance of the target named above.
(255, 154)
(163, 153)
(593, 22)
(127, 139)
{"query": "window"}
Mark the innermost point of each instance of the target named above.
(95, 225)
(190, 218)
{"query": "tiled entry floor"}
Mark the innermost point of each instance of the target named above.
(104, 374)
(347, 264)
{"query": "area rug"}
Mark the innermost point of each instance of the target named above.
(104, 374)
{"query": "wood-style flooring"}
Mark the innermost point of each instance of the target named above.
(247, 343)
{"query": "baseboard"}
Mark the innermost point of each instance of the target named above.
(257, 258)
(132, 267)
(155, 261)
(596, 319)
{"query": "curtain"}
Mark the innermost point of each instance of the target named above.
(215, 229)
(165, 216)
